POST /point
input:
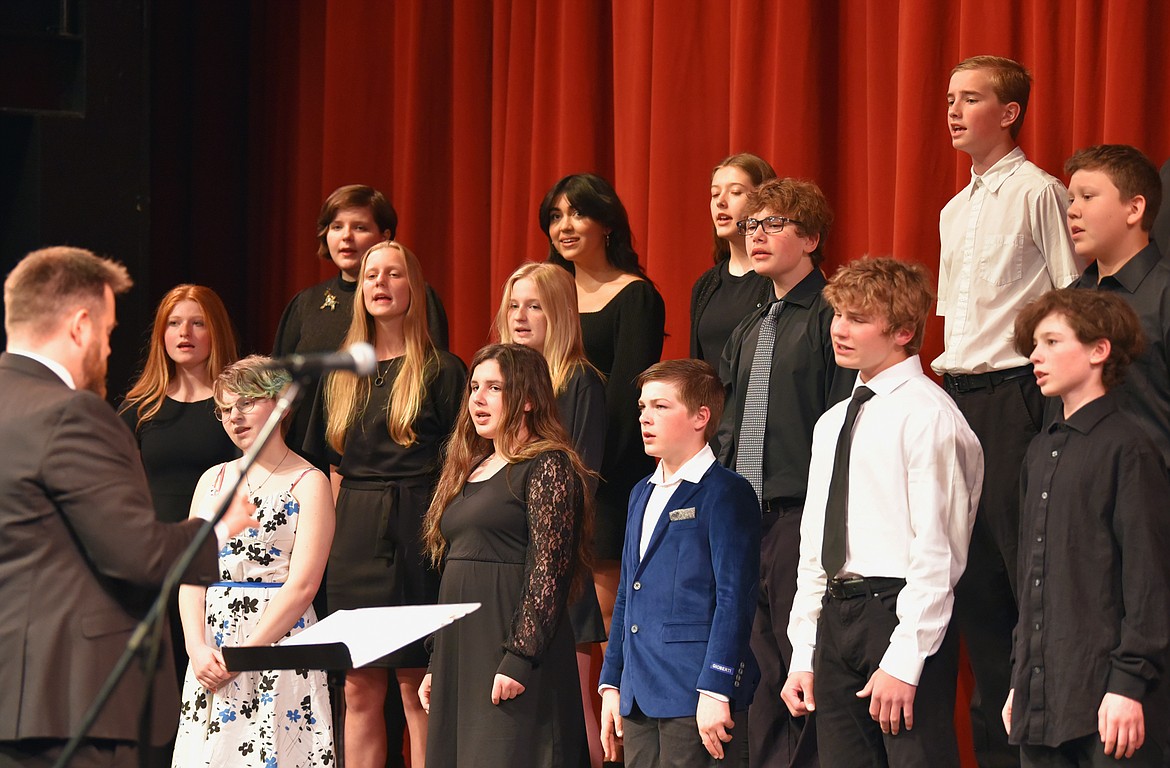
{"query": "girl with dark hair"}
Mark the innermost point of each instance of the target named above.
(729, 291)
(506, 524)
(623, 322)
(388, 429)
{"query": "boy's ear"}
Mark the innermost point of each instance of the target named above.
(1011, 113)
(903, 336)
(701, 417)
(813, 242)
(1135, 210)
(1100, 351)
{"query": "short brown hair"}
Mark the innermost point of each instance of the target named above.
(797, 199)
(1092, 315)
(51, 282)
(1010, 80)
(1130, 171)
(697, 384)
(897, 291)
(355, 196)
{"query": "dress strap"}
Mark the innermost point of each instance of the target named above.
(301, 477)
(215, 489)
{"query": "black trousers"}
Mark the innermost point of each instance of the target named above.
(776, 738)
(1005, 418)
(1089, 752)
(852, 636)
(674, 742)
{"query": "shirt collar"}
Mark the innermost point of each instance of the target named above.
(994, 177)
(803, 293)
(61, 371)
(893, 377)
(692, 471)
(1088, 415)
(1132, 273)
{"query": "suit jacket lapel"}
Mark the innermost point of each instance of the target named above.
(678, 500)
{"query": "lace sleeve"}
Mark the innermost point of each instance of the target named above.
(554, 501)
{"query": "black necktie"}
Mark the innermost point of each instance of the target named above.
(833, 544)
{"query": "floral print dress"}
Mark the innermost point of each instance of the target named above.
(264, 719)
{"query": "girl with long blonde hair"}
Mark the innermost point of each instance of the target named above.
(388, 429)
(508, 524)
(539, 310)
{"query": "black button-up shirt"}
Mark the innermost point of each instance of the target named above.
(1094, 576)
(804, 382)
(1144, 282)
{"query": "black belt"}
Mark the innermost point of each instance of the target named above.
(958, 383)
(858, 586)
(782, 506)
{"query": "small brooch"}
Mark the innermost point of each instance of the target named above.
(330, 302)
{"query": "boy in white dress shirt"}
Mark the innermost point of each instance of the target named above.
(884, 538)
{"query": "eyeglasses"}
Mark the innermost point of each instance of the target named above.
(243, 405)
(773, 225)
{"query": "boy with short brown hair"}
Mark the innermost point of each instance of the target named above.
(1090, 650)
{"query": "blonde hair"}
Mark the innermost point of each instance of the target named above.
(347, 395)
(898, 292)
(529, 407)
(564, 351)
(150, 390)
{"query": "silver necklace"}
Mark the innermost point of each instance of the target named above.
(254, 493)
(380, 379)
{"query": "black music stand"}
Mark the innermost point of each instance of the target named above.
(369, 634)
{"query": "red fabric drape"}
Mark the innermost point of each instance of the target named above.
(466, 111)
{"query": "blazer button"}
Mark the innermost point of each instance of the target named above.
(634, 629)
(637, 585)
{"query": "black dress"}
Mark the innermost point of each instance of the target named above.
(178, 445)
(622, 339)
(582, 410)
(512, 541)
(376, 558)
(316, 320)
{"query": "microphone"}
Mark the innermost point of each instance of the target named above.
(359, 358)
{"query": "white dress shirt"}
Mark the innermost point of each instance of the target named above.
(915, 474)
(1004, 243)
(664, 487)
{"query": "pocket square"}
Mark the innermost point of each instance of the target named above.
(682, 514)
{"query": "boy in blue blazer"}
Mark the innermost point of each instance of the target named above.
(678, 664)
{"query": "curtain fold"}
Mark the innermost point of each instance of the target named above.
(466, 111)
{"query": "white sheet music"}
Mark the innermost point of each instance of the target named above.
(371, 633)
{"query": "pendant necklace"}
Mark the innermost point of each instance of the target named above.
(253, 493)
(380, 379)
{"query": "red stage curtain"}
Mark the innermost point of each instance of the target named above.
(466, 111)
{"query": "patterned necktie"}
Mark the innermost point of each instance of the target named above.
(833, 544)
(749, 452)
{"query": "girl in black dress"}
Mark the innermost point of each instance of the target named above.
(172, 412)
(731, 290)
(539, 310)
(388, 429)
(623, 321)
(507, 524)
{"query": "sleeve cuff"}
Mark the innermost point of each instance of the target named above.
(716, 696)
(905, 667)
(515, 667)
(1124, 684)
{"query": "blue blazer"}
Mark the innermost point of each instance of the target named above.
(684, 612)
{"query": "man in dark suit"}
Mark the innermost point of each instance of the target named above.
(678, 673)
(81, 554)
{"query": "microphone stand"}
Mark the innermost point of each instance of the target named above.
(148, 633)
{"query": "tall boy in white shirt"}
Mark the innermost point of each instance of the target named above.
(884, 538)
